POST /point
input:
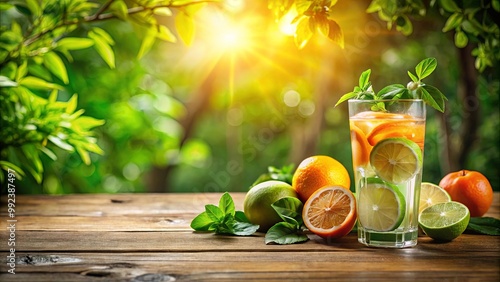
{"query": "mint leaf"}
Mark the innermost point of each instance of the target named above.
(395, 91)
(240, 228)
(484, 225)
(425, 67)
(364, 79)
(285, 233)
(226, 204)
(202, 222)
(346, 97)
(412, 76)
(241, 217)
(214, 213)
(289, 209)
(432, 96)
(223, 219)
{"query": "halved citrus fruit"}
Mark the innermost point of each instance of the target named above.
(409, 129)
(444, 221)
(396, 160)
(431, 194)
(330, 212)
(381, 206)
(360, 147)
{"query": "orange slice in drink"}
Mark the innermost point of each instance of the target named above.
(330, 212)
(360, 147)
(412, 130)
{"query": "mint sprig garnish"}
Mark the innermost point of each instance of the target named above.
(415, 89)
(290, 230)
(223, 219)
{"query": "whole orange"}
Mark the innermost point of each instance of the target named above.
(316, 172)
(470, 188)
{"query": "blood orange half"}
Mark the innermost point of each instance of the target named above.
(330, 212)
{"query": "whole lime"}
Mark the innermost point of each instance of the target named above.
(258, 200)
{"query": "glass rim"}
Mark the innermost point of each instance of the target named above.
(385, 100)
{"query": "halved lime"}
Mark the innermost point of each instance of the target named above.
(381, 206)
(431, 194)
(396, 160)
(444, 221)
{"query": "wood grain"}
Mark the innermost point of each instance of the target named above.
(146, 237)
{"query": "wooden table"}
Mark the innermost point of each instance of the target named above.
(146, 237)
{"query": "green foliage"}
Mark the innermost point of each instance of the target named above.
(223, 219)
(471, 21)
(35, 47)
(312, 16)
(415, 89)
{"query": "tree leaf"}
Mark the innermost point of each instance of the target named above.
(6, 82)
(185, 27)
(226, 204)
(60, 143)
(425, 67)
(163, 11)
(303, 33)
(461, 39)
(103, 49)
(147, 42)
(38, 83)
(119, 9)
(284, 233)
(454, 21)
(165, 34)
(74, 43)
(335, 33)
(202, 222)
(404, 25)
(56, 66)
(71, 104)
(34, 7)
(449, 6)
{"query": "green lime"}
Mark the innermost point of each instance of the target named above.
(258, 200)
(396, 160)
(444, 221)
(431, 194)
(381, 206)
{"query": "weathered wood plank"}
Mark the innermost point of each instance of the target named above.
(268, 265)
(133, 204)
(115, 204)
(187, 241)
(130, 212)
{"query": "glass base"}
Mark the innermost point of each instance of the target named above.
(393, 239)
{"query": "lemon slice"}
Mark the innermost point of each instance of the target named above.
(396, 160)
(381, 206)
(444, 221)
(431, 194)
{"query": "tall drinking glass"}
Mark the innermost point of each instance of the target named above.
(387, 140)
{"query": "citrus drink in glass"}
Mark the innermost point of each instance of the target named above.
(387, 140)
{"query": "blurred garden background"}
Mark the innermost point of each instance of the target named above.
(204, 96)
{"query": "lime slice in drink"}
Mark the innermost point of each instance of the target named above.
(431, 194)
(444, 221)
(396, 160)
(381, 207)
